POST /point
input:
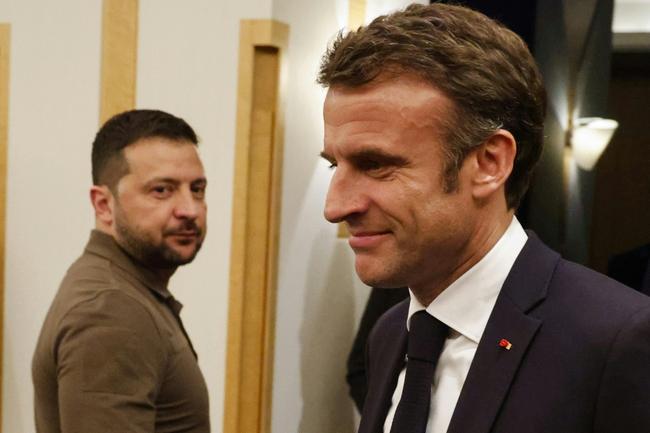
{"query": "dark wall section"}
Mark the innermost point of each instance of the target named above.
(519, 16)
(546, 197)
(622, 201)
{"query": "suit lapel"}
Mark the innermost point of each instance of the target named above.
(494, 367)
(387, 360)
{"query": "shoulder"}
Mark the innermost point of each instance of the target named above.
(595, 290)
(94, 303)
(109, 344)
(569, 290)
(109, 311)
(95, 291)
(591, 309)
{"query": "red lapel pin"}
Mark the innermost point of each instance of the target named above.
(505, 344)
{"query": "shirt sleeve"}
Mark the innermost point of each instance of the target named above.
(110, 361)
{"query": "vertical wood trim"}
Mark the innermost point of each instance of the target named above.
(356, 13)
(255, 228)
(119, 57)
(5, 41)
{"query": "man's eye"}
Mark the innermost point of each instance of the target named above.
(332, 165)
(370, 165)
(198, 191)
(161, 190)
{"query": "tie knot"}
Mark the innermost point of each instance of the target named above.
(426, 337)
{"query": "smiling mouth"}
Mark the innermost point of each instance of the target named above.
(361, 240)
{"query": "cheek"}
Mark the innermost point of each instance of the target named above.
(408, 203)
(158, 216)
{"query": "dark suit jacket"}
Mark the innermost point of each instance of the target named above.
(578, 363)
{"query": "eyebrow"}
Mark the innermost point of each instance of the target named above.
(173, 181)
(371, 154)
(380, 156)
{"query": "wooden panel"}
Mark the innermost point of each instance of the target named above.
(119, 57)
(255, 228)
(5, 35)
(356, 13)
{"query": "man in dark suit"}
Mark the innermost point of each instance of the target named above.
(433, 124)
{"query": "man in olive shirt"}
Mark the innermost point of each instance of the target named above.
(113, 355)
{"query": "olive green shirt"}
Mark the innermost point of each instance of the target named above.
(112, 355)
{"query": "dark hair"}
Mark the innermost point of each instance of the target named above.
(124, 129)
(485, 69)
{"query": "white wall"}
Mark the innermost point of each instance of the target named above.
(187, 64)
(631, 16)
(53, 115)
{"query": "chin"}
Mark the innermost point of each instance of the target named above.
(186, 257)
(181, 256)
(379, 276)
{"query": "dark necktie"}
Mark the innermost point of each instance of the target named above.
(176, 308)
(425, 340)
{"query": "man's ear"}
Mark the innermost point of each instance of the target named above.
(494, 160)
(103, 201)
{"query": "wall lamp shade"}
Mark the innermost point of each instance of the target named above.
(590, 137)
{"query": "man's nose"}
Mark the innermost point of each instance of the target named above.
(345, 198)
(187, 206)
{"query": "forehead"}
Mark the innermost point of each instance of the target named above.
(405, 92)
(398, 106)
(157, 155)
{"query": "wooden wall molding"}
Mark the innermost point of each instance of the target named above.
(255, 227)
(119, 57)
(5, 43)
(356, 13)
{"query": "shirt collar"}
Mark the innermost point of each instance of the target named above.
(104, 245)
(465, 305)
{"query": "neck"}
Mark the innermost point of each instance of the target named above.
(477, 245)
(104, 228)
(164, 274)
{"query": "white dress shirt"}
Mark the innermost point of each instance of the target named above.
(465, 307)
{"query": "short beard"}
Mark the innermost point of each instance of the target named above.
(157, 256)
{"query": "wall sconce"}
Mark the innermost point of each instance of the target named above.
(590, 137)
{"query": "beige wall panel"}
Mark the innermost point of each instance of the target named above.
(5, 38)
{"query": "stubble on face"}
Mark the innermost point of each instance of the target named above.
(159, 206)
(150, 252)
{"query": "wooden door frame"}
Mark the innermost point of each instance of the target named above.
(246, 398)
(119, 57)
